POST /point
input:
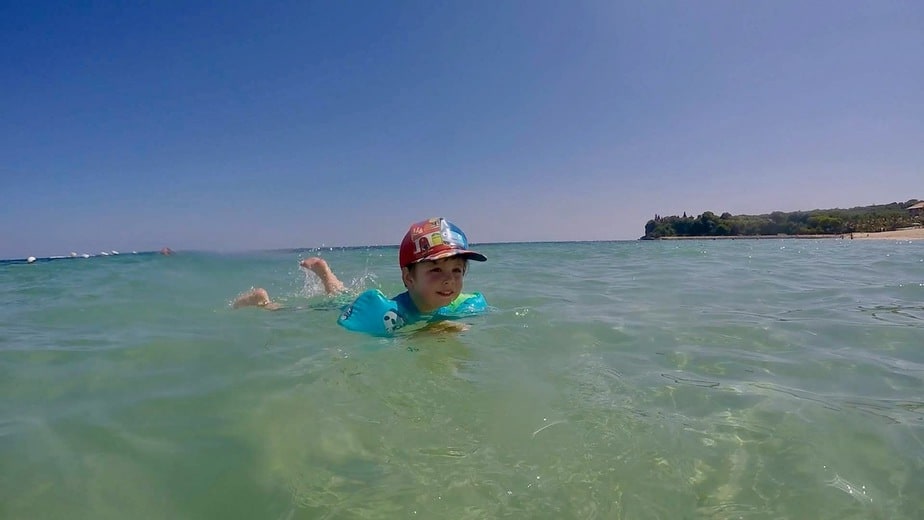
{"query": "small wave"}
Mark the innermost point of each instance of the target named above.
(896, 314)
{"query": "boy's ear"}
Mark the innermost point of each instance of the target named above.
(406, 277)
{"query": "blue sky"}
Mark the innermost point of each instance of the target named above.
(249, 125)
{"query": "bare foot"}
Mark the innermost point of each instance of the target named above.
(317, 265)
(255, 298)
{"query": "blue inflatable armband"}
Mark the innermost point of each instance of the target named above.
(371, 313)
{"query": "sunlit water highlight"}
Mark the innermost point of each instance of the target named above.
(705, 379)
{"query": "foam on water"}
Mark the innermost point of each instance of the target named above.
(705, 379)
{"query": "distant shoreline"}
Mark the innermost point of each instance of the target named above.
(901, 234)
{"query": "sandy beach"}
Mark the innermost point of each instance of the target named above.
(902, 234)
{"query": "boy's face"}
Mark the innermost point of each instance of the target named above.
(434, 284)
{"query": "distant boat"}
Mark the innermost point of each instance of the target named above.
(73, 254)
(85, 255)
(104, 253)
(114, 252)
(30, 259)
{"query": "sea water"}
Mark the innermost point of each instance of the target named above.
(749, 379)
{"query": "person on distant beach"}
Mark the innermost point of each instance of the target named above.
(433, 258)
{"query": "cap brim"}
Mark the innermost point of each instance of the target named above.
(471, 255)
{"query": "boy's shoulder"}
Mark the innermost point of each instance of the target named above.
(374, 313)
(464, 304)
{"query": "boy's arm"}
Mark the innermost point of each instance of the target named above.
(445, 326)
(332, 285)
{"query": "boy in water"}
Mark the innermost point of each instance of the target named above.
(433, 257)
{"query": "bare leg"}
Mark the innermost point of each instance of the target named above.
(258, 297)
(332, 285)
(255, 298)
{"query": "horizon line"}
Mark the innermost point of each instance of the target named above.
(307, 248)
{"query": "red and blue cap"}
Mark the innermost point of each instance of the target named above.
(432, 240)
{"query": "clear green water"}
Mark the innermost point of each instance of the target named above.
(672, 380)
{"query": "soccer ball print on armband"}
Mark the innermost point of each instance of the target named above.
(393, 322)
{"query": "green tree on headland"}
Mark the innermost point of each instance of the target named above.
(865, 219)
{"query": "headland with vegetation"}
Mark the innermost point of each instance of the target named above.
(818, 223)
